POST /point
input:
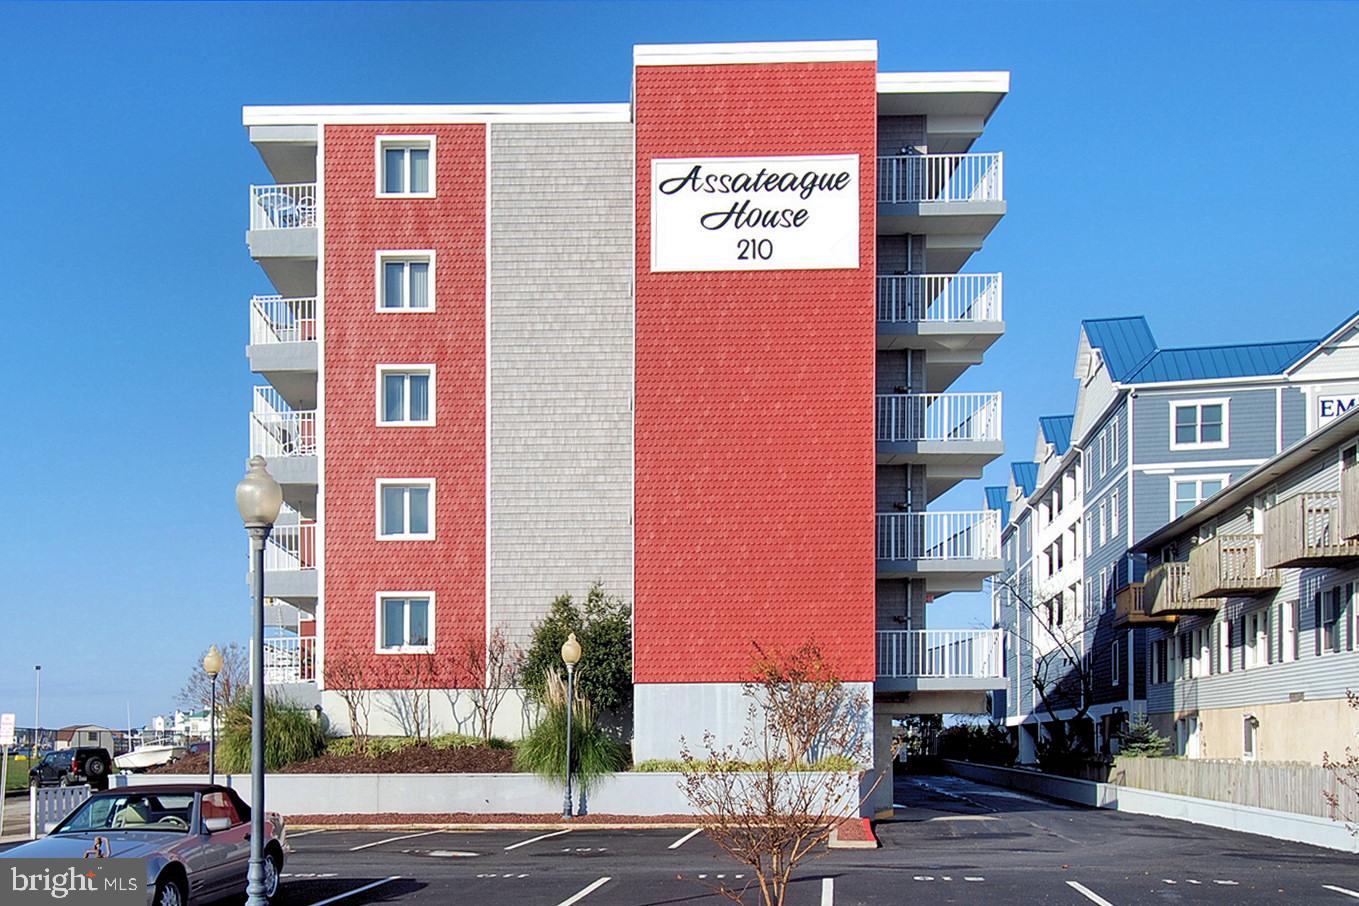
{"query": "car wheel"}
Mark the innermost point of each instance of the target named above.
(97, 773)
(272, 867)
(169, 892)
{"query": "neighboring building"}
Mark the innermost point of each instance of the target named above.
(80, 736)
(514, 349)
(1155, 431)
(1250, 603)
(190, 725)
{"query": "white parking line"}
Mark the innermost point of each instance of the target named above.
(536, 839)
(589, 889)
(319, 830)
(1348, 893)
(827, 892)
(354, 849)
(1088, 893)
(341, 896)
(685, 839)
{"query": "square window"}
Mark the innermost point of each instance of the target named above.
(405, 395)
(405, 281)
(1187, 493)
(405, 509)
(405, 166)
(405, 622)
(1200, 424)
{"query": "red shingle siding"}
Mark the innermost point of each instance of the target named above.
(754, 397)
(357, 339)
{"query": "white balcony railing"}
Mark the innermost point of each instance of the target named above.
(939, 298)
(276, 429)
(289, 659)
(906, 417)
(949, 178)
(283, 207)
(291, 547)
(942, 653)
(971, 535)
(274, 319)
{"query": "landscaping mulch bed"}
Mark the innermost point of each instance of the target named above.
(189, 764)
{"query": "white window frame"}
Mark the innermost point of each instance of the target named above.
(1115, 662)
(1289, 616)
(378, 647)
(1255, 641)
(382, 142)
(1222, 401)
(380, 394)
(1224, 646)
(1250, 729)
(1198, 491)
(383, 256)
(380, 484)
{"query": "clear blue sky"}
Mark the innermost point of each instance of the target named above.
(1191, 162)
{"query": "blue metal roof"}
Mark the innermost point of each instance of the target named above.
(1125, 343)
(1057, 431)
(998, 498)
(1025, 475)
(1208, 362)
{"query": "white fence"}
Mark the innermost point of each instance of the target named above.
(283, 207)
(49, 804)
(291, 547)
(941, 178)
(289, 659)
(276, 429)
(969, 535)
(943, 653)
(939, 298)
(274, 319)
(938, 417)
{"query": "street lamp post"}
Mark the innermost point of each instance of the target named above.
(212, 665)
(570, 657)
(259, 498)
(37, 709)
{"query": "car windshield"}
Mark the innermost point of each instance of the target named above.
(168, 812)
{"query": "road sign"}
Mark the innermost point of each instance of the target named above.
(6, 730)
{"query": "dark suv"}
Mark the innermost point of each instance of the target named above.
(72, 766)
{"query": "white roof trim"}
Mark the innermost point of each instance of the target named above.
(431, 114)
(997, 82)
(762, 52)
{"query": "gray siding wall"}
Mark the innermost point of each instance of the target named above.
(1251, 432)
(561, 318)
(897, 132)
(1294, 415)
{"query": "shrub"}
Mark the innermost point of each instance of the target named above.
(594, 753)
(1142, 741)
(603, 626)
(291, 734)
(831, 763)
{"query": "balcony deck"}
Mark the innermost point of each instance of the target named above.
(283, 236)
(955, 317)
(955, 200)
(290, 564)
(941, 660)
(1306, 530)
(1227, 566)
(1168, 591)
(954, 551)
(283, 347)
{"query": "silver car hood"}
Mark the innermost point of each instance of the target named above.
(123, 844)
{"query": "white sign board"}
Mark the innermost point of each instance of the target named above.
(6, 730)
(1329, 407)
(755, 213)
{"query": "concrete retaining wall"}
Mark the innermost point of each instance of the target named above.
(1229, 816)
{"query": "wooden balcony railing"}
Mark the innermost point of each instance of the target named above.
(1349, 502)
(1228, 565)
(1132, 607)
(1305, 530)
(1168, 591)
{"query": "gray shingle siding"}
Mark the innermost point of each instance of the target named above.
(1251, 432)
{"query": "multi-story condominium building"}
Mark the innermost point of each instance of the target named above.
(1155, 432)
(1251, 611)
(697, 346)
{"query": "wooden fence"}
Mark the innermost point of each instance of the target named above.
(1283, 786)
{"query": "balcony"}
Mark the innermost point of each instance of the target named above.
(955, 434)
(1169, 591)
(1305, 530)
(941, 660)
(283, 236)
(290, 563)
(1131, 607)
(955, 316)
(1228, 566)
(955, 200)
(289, 660)
(287, 439)
(283, 346)
(1349, 495)
(949, 551)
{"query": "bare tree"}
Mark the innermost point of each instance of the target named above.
(345, 677)
(758, 800)
(232, 681)
(1346, 773)
(409, 703)
(489, 670)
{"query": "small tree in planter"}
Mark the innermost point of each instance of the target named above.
(489, 670)
(345, 677)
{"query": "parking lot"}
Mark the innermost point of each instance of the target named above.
(952, 841)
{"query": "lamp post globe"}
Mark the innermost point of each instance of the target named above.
(212, 662)
(570, 657)
(259, 499)
(212, 665)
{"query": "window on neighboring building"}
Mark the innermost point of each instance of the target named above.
(1255, 639)
(1115, 663)
(1187, 493)
(1288, 630)
(405, 281)
(1224, 647)
(1249, 727)
(1113, 514)
(1198, 425)
(405, 165)
(405, 509)
(1333, 617)
(405, 395)
(405, 622)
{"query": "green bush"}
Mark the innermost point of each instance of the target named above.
(833, 763)
(594, 753)
(1142, 741)
(386, 745)
(291, 734)
(603, 626)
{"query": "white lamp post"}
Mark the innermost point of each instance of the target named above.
(570, 657)
(259, 498)
(212, 665)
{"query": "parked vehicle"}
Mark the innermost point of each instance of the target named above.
(195, 838)
(67, 767)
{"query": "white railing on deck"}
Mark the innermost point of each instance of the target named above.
(939, 298)
(941, 178)
(283, 207)
(943, 653)
(291, 547)
(289, 659)
(276, 429)
(905, 417)
(274, 319)
(971, 535)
